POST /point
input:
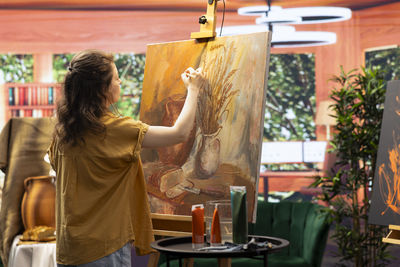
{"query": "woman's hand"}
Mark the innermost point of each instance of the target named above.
(158, 136)
(194, 80)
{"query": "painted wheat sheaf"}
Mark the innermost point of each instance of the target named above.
(389, 181)
(214, 102)
(218, 93)
(389, 176)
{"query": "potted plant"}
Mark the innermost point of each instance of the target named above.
(358, 108)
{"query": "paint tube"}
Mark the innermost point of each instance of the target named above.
(197, 226)
(215, 238)
(239, 214)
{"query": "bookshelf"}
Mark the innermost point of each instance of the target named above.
(30, 99)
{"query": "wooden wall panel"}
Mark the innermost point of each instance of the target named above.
(329, 59)
(380, 26)
(345, 52)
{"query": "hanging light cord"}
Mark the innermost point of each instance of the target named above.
(266, 13)
(269, 7)
(223, 18)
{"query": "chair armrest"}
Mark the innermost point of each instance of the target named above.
(315, 236)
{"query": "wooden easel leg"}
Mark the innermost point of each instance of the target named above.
(224, 262)
(394, 235)
(188, 262)
(153, 259)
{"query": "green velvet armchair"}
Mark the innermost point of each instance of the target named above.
(302, 223)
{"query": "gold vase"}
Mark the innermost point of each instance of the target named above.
(38, 203)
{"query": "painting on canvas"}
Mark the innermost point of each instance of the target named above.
(224, 146)
(385, 201)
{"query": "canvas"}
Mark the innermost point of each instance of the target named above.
(385, 201)
(224, 146)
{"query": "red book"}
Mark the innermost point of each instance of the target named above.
(33, 96)
(25, 100)
(43, 95)
(46, 95)
(26, 95)
(30, 95)
(39, 95)
(16, 96)
(21, 97)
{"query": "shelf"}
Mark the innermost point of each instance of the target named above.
(30, 99)
(32, 107)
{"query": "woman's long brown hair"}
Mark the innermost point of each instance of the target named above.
(84, 96)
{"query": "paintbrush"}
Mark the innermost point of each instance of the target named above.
(198, 191)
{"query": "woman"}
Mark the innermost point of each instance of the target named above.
(102, 201)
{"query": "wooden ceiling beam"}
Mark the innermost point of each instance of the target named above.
(62, 31)
(152, 5)
(176, 5)
(39, 31)
(354, 5)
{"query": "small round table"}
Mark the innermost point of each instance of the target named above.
(181, 247)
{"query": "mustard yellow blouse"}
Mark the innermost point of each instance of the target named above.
(101, 193)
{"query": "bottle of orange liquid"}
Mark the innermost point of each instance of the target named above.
(197, 226)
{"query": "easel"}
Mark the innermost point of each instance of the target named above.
(178, 225)
(170, 226)
(394, 235)
(207, 22)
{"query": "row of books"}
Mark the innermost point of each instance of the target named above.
(35, 113)
(31, 95)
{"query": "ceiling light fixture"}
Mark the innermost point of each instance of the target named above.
(275, 15)
(302, 39)
(278, 18)
(285, 36)
(256, 10)
(307, 15)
